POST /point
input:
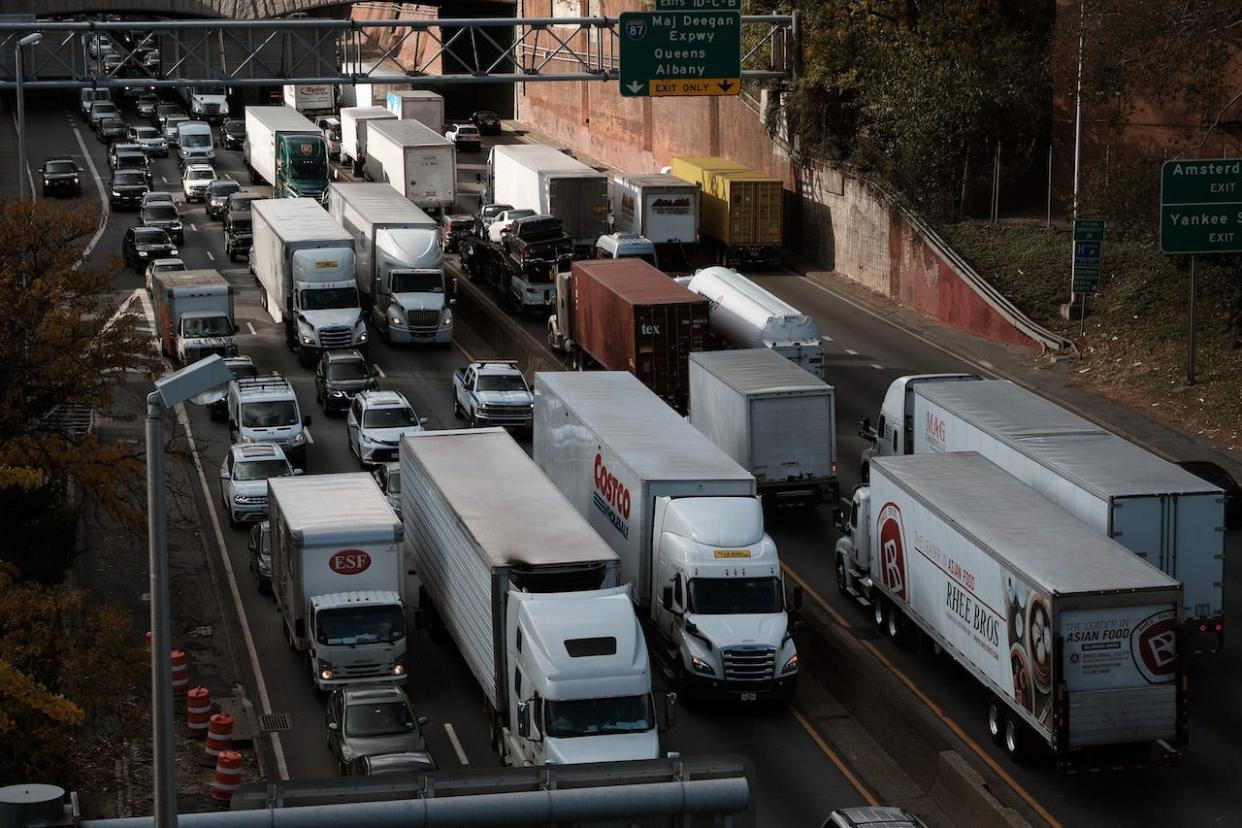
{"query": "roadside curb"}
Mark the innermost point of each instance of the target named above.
(499, 330)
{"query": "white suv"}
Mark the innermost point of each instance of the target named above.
(376, 422)
(243, 479)
(196, 180)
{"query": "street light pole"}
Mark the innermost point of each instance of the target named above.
(18, 55)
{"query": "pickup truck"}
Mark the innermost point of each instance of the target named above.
(492, 392)
(523, 265)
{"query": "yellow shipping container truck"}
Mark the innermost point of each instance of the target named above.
(741, 209)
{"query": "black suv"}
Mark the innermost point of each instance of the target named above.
(61, 175)
(453, 228)
(232, 134)
(339, 376)
(127, 188)
(164, 216)
(487, 122)
(142, 244)
(238, 233)
(216, 198)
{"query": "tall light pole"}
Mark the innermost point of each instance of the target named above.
(28, 40)
(170, 391)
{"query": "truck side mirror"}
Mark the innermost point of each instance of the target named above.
(453, 285)
(423, 721)
(523, 720)
(224, 474)
(865, 430)
(666, 598)
(297, 472)
(797, 598)
(838, 517)
(306, 421)
(670, 710)
(422, 421)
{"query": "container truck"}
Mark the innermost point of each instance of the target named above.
(354, 122)
(660, 207)
(741, 210)
(776, 420)
(193, 314)
(399, 267)
(546, 180)
(420, 105)
(744, 315)
(1073, 637)
(686, 524)
(287, 151)
(303, 260)
(1154, 508)
(338, 577)
(536, 606)
(309, 98)
(416, 161)
(625, 315)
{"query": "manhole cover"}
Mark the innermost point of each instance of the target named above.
(271, 722)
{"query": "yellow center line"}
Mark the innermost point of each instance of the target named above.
(831, 754)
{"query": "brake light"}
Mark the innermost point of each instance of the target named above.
(1203, 628)
(1219, 626)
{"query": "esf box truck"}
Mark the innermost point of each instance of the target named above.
(1073, 637)
(193, 314)
(287, 151)
(531, 596)
(1160, 512)
(546, 180)
(415, 161)
(684, 520)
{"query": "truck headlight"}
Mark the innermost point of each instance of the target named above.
(448, 318)
(325, 670)
(791, 665)
(299, 438)
(398, 668)
(362, 335)
(394, 317)
(336, 394)
(701, 666)
(307, 339)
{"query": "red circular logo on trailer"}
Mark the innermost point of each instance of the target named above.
(892, 550)
(1153, 646)
(349, 562)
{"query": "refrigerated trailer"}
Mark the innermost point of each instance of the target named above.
(546, 180)
(415, 160)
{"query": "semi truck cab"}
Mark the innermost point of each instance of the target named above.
(852, 559)
(357, 637)
(301, 166)
(411, 293)
(893, 432)
(324, 303)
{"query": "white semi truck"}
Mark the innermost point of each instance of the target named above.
(531, 596)
(287, 151)
(776, 420)
(1074, 638)
(354, 122)
(1162, 513)
(304, 263)
(400, 269)
(416, 161)
(686, 523)
(546, 180)
(337, 577)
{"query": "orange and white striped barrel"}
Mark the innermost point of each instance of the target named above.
(228, 775)
(180, 672)
(198, 710)
(219, 734)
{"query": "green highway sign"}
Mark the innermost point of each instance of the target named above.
(1201, 206)
(1088, 244)
(681, 53)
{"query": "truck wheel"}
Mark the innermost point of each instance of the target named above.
(996, 720)
(895, 626)
(457, 412)
(1017, 738)
(843, 582)
(878, 612)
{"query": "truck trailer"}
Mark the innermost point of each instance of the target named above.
(1162, 513)
(685, 521)
(287, 151)
(531, 596)
(416, 161)
(308, 98)
(742, 210)
(546, 180)
(338, 578)
(354, 123)
(774, 419)
(1073, 637)
(420, 105)
(661, 208)
(193, 314)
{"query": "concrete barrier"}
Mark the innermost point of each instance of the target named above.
(500, 330)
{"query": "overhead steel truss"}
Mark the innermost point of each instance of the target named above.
(321, 51)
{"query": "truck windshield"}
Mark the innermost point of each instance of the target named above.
(195, 141)
(734, 596)
(417, 283)
(269, 414)
(501, 382)
(598, 717)
(329, 298)
(360, 625)
(206, 326)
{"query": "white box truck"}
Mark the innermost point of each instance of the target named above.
(661, 208)
(1162, 513)
(420, 105)
(287, 151)
(745, 315)
(364, 93)
(399, 266)
(338, 577)
(1074, 638)
(309, 97)
(776, 420)
(416, 161)
(193, 314)
(546, 180)
(304, 262)
(354, 122)
(532, 597)
(686, 523)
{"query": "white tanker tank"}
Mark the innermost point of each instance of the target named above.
(745, 315)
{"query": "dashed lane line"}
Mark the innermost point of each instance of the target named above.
(457, 748)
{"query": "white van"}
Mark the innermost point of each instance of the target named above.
(626, 246)
(194, 143)
(88, 96)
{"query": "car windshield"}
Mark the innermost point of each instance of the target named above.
(734, 596)
(329, 298)
(167, 109)
(149, 236)
(200, 175)
(389, 418)
(261, 469)
(241, 205)
(598, 717)
(493, 210)
(501, 382)
(517, 214)
(160, 212)
(393, 482)
(209, 90)
(114, 123)
(348, 369)
(173, 121)
(223, 187)
(103, 110)
(61, 167)
(379, 719)
(125, 162)
(242, 370)
(199, 326)
(146, 133)
(269, 414)
(169, 268)
(417, 283)
(195, 140)
(467, 131)
(360, 625)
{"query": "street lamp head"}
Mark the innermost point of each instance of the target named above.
(30, 39)
(192, 380)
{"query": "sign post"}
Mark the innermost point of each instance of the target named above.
(682, 52)
(1200, 212)
(1085, 273)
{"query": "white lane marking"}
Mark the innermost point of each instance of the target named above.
(209, 256)
(851, 352)
(309, 438)
(106, 207)
(164, 179)
(194, 227)
(277, 748)
(253, 332)
(877, 366)
(987, 364)
(379, 370)
(452, 734)
(826, 338)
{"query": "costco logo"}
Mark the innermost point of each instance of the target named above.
(611, 497)
(349, 562)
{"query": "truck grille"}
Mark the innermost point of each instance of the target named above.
(336, 337)
(210, 108)
(358, 670)
(749, 665)
(424, 318)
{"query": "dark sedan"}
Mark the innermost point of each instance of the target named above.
(216, 199)
(147, 103)
(127, 188)
(339, 377)
(260, 548)
(166, 218)
(112, 129)
(142, 244)
(232, 134)
(61, 176)
(487, 121)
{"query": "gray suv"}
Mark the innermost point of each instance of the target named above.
(371, 721)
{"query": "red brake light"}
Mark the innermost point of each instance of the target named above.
(1203, 628)
(1219, 626)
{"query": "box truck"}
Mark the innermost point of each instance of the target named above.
(370, 94)
(742, 210)
(354, 121)
(774, 419)
(310, 97)
(685, 521)
(744, 315)
(303, 260)
(420, 105)
(531, 596)
(1159, 511)
(546, 180)
(625, 315)
(193, 314)
(399, 267)
(287, 151)
(415, 160)
(1073, 637)
(660, 207)
(337, 577)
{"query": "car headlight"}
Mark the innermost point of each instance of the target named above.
(142, 253)
(325, 670)
(176, 226)
(398, 669)
(701, 666)
(116, 193)
(173, 252)
(790, 665)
